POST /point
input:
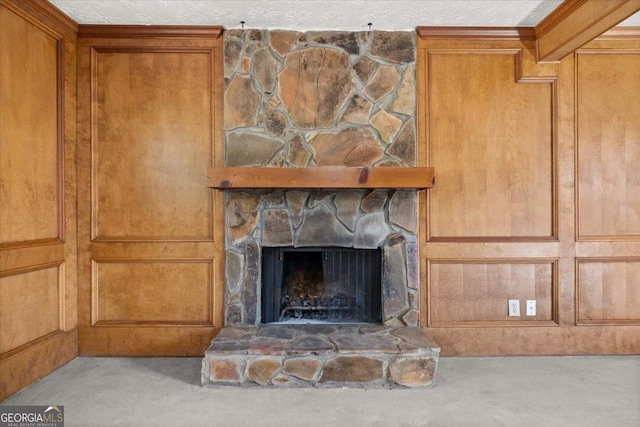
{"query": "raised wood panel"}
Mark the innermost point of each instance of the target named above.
(490, 139)
(468, 292)
(31, 141)
(31, 305)
(152, 143)
(172, 292)
(608, 291)
(151, 244)
(600, 334)
(608, 112)
(38, 246)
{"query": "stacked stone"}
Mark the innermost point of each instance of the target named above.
(361, 219)
(321, 356)
(320, 99)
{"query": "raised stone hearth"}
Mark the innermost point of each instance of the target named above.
(287, 356)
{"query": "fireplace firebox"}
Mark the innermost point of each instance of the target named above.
(321, 285)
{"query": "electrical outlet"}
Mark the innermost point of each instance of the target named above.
(514, 308)
(531, 307)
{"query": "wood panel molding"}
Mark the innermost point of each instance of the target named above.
(232, 178)
(609, 298)
(96, 233)
(605, 112)
(574, 23)
(475, 300)
(160, 60)
(150, 31)
(60, 135)
(38, 251)
(477, 33)
(19, 334)
(188, 292)
(523, 73)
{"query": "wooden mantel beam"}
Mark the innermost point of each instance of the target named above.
(231, 178)
(576, 22)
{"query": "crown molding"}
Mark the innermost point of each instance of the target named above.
(151, 31)
(477, 33)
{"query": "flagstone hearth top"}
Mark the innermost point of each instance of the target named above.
(321, 355)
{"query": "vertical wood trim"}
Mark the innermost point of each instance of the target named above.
(219, 235)
(566, 163)
(93, 143)
(423, 195)
(60, 105)
(553, 82)
(93, 289)
(62, 285)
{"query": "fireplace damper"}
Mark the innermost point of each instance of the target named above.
(335, 285)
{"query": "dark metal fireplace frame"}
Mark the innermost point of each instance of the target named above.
(359, 269)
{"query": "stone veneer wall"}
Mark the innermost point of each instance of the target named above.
(320, 99)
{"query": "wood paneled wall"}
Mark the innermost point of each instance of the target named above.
(37, 192)
(537, 194)
(151, 249)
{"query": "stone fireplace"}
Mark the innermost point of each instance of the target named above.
(307, 100)
(320, 99)
(307, 219)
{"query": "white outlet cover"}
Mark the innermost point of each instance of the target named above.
(514, 308)
(531, 307)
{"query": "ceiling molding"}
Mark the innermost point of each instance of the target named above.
(575, 23)
(45, 11)
(618, 33)
(150, 31)
(477, 33)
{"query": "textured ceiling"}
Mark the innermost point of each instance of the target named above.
(313, 14)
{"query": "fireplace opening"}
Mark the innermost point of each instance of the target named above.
(321, 285)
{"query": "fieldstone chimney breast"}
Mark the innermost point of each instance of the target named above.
(318, 90)
(307, 100)
(314, 99)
